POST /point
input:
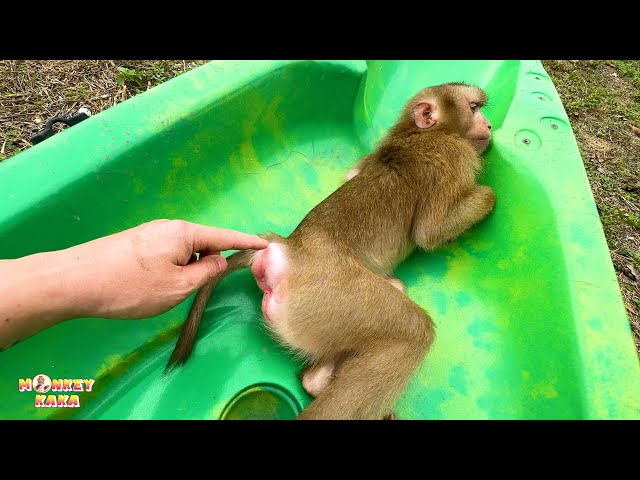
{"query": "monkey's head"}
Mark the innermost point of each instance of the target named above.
(450, 108)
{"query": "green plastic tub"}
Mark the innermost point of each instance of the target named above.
(530, 319)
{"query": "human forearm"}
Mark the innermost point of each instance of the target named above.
(36, 292)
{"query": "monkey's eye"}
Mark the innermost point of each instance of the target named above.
(474, 106)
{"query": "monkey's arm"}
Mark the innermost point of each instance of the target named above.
(430, 231)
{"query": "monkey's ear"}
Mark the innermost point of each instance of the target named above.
(423, 115)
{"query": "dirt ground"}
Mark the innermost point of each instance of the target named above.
(601, 97)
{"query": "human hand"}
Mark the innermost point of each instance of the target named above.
(146, 270)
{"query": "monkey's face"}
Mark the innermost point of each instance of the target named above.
(479, 131)
(454, 108)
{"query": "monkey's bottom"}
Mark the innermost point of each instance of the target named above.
(270, 269)
(335, 311)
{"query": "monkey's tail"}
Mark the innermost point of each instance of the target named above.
(184, 345)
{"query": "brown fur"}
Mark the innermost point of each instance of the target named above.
(417, 189)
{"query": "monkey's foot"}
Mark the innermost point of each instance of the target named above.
(351, 173)
(391, 416)
(396, 282)
(316, 378)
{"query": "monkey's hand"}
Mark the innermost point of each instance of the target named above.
(487, 200)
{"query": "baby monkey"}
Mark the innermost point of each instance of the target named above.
(329, 289)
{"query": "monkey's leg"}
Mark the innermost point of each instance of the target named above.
(343, 311)
(317, 377)
(331, 309)
(429, 232)
(367, 384)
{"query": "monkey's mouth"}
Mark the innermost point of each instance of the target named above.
(482, 143)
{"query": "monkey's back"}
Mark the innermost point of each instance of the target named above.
(371, 216)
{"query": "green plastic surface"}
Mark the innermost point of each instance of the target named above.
(529, 314)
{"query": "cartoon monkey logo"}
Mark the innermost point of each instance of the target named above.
(41, 383)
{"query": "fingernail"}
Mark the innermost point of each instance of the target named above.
(222, 263)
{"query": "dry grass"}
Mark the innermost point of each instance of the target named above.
(33, 91)
(602, 99)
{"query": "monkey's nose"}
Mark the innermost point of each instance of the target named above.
(488, 125)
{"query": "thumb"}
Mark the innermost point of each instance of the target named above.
(205, 269)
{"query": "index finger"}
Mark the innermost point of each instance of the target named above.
(212, 239)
